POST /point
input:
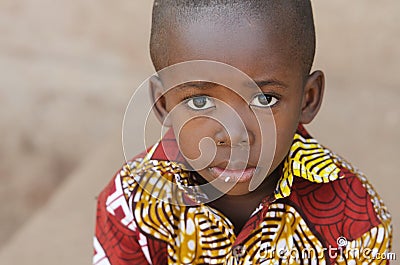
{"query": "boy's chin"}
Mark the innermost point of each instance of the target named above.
(233, 185)
(238, 189)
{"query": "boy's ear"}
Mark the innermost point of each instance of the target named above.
(312, 96)
(158, 100)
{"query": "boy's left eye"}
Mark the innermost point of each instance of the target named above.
(200, 103)
(263, 101)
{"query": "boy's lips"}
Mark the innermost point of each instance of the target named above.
(233, 175)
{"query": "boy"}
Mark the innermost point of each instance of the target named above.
(176, 204)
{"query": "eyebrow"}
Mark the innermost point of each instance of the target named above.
(207, 85)
(196, 84)
(270, 82)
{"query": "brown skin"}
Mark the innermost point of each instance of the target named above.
(262, 54)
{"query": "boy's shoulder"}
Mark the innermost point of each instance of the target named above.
(348, 207)
(333, 196)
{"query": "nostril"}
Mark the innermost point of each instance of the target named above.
(219, 143)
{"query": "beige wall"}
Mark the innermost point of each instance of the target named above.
(67, 72)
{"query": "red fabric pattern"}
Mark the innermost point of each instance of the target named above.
(120, 243)
(335, 209)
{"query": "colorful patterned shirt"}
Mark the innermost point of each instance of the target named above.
(323, 211)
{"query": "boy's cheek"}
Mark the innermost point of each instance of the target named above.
(191, 136)
(189, 144)
(284, 139)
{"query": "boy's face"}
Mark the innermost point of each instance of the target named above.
(283, 97)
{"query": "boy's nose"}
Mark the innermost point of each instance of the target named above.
(234, 132)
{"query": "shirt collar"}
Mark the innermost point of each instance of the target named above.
(309, 160)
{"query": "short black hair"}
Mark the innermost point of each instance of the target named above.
(294, 16)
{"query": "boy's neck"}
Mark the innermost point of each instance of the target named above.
(238, 208)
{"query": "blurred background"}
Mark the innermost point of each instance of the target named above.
(68, 69)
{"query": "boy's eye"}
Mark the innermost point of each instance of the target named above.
(200, 103)
(264, 101)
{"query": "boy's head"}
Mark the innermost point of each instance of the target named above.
(273, 42)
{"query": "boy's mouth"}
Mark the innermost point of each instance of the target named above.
(233, 175)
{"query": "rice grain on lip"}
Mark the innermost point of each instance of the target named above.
(229, 175)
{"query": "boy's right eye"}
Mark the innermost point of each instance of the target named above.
(200, 103)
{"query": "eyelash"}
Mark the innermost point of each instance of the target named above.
(273, 95)
(187, 99)
(190, 96)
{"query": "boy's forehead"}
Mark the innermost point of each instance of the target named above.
(206, 76)
(250, 45)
